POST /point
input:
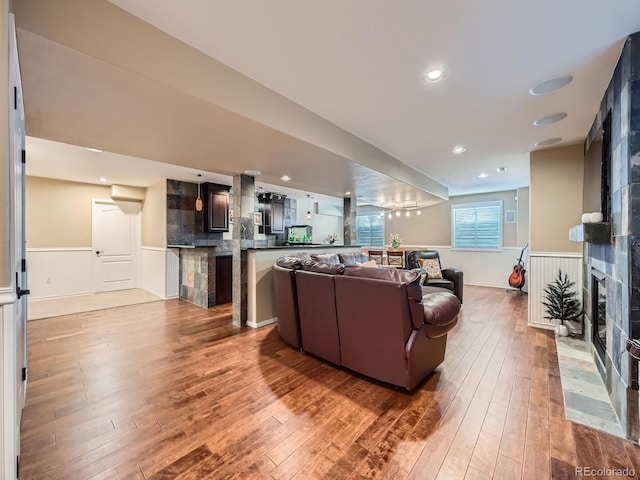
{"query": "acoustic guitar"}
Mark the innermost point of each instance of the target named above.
(516, 279)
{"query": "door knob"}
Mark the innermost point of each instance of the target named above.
(99, 252)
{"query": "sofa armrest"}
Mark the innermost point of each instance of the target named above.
(452, 274)
(441, 311)
(424, 275)
(456, 276)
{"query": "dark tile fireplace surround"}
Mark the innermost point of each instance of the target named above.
(611, 291)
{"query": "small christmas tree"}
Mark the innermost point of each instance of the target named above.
(561, 300)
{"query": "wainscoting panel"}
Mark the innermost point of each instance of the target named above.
(543, 268)
(160, 271)
(172, 280)
(152, 270)
(59, 272)
(484, 268)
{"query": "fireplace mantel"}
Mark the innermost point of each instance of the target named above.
(591, 232)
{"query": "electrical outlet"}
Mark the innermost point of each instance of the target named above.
(48, 280)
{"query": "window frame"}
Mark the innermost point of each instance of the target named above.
(498, 203)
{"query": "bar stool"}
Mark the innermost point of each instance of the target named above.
(376, 255)
(395, 259)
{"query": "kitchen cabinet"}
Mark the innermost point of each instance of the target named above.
(224, 279)
(216, 207)
(272, 208)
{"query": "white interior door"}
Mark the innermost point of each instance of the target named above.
(116, 244)
(17, 180)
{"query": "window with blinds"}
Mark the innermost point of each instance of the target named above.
(477, 225)
(370, 230)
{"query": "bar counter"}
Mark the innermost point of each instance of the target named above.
(260, 290)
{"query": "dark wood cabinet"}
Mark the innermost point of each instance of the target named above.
(272, 208)
(216, 207)
(224, 279)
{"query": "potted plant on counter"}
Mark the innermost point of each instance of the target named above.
(561, 302)
(332, 238)
(395, 241)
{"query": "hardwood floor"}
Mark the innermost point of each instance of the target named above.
(167, 390)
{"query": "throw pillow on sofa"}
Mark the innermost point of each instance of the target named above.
(370, 263)
(320, 267)
(291, 262)
(432, 266)
(331, 258)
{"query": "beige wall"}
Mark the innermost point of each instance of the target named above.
(58, 213)
(556, 177)
(523, 216)
(154, 216)
(433, 226)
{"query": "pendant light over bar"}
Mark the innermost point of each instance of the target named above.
(199, 199)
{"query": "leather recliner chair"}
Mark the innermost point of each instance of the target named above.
(452, 278)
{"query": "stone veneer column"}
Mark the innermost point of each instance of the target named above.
(350, 222)
(244, 200)
(620, 259)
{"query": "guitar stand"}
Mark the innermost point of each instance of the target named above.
(516, 290)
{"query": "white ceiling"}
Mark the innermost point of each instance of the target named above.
(358, 64)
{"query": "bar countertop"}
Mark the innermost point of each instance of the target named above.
(302, 247)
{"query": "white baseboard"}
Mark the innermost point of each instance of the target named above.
(263, 323)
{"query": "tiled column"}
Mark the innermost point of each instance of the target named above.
(350, 222)
(244, 199)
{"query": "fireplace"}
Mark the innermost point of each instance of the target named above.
(599, 312)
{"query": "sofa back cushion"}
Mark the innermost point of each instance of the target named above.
(286, 302)
(374, 325)
(320, 267)
(318, 315)
(410, 279)
(290, 262)
(353, 258)
(330, 258)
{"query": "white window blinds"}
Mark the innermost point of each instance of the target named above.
(477, 225)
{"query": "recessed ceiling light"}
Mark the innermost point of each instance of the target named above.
(458, 149)
(551, 85)
(434, 75)
(483, 175)
(501, 169)
(285, 178)
(556, 117)
(549, 141)
(347, 193)
(94, 150)
(253, 173)
(102, 179)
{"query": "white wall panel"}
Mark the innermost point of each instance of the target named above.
(152, 270)
(59, 272)
(172, 276)
(543, 268)
(160, 271)
(485, 268)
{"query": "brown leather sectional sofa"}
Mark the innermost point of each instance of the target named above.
(377, 322)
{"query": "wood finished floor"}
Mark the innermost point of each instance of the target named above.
(167, 390)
